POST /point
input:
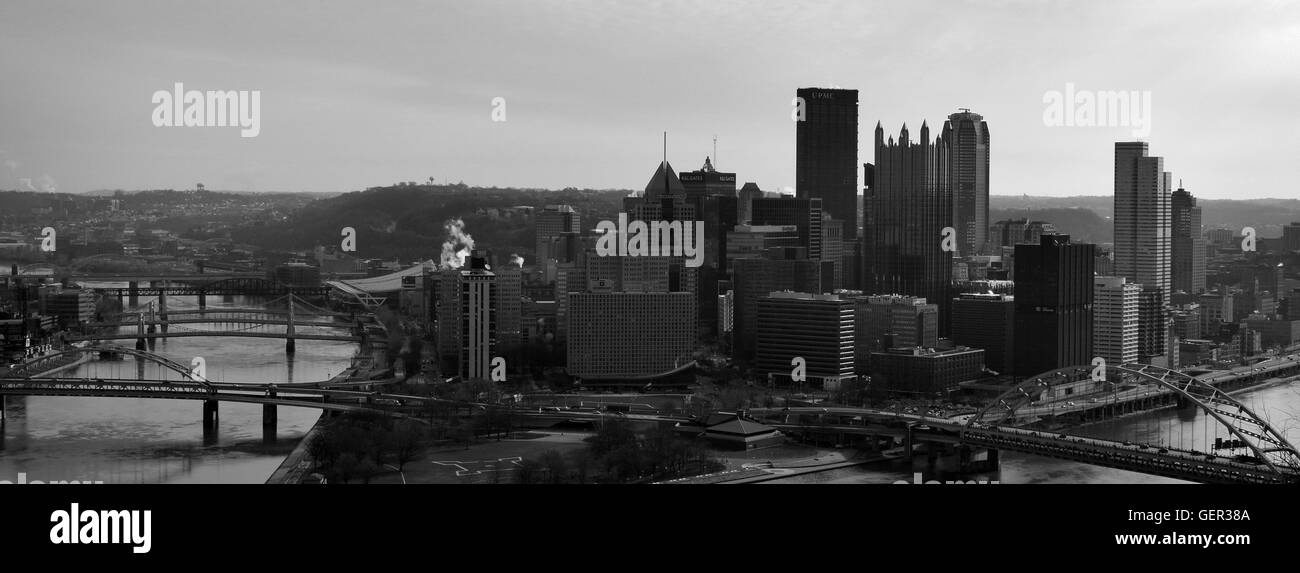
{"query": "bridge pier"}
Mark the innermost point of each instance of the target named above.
(203, 300)
(133, 287)
(162, 307)
(289, 346)
(269, 418)
(210, 415)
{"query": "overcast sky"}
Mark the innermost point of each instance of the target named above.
(357, 94)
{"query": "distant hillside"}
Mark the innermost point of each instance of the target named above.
(1267, 216)
(1081, 224)
(407, 221)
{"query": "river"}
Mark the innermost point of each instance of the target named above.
(125, 440)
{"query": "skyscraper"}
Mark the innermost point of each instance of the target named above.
(1142, 240)
(467, 319)
(1142, 217)
(550, 223)
(1054, 296)
(806, 214)
(906, 209)
(826, 153)
(967, 136)
(1188, 245)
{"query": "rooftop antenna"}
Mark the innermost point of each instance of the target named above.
(715, 152)
(666, 191)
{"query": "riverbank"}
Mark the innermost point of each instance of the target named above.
(295, 466)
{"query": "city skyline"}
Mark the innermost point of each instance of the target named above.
(398, 93)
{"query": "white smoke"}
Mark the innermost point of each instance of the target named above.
(457, 246)
(48, 184)
(27, 183)
(516, 259)
(12, 165)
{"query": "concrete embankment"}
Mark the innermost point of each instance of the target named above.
(295, 467)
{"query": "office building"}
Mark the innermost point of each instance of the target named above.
(927, 372)
(467, 318)
(815, 327)
(1054, 297)
(1115, 319)
(967, 136)
(906, 210)
(1188, 244)
(988, 321)
(550, 223)
(626, 335)
(826, 153)
(890, 321)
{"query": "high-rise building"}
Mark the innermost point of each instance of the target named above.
(1188, 244)
(1142, 216)
(550, 223)
(754, 279)
(826, 153)
(907, 207)
(467, 318)
(968, 147)
(889, 321)
(1011, 232)
(1054, 297)
(806, 214)
(620, 335)
(1115, 319)
(509, 306)
(1291, 237)
(988, 321)
(833, 247)
(815, 327)
(1143, 236)
(1153, 325)
(708, 181)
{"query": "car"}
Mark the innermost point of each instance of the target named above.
(1164, 450)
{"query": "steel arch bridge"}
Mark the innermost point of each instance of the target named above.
(41, 364)
(1043, 394)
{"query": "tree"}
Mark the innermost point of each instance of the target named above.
(406, 440)
(555, 466)
(528, 472)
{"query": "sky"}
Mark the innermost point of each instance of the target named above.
(355, 94)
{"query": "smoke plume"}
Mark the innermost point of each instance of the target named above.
(457, 246)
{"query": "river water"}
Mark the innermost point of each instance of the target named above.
(125, 440)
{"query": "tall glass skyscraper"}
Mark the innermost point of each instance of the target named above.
(1143, 241)
(968, 147)
(826, 153)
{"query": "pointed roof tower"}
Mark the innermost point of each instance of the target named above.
(664, 183)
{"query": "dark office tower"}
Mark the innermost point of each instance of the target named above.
(806, 214)
(826, 153)
(1054, 292)
(1188, 244)
(815, 327)
(551, 222)
(708, 181)
(967, 136)
(987, 321)
(746, 194)
(906, 209)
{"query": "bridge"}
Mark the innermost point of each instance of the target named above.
(1047, 415)
(155, 323)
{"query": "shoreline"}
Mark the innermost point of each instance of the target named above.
(298, 462)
